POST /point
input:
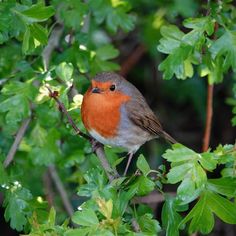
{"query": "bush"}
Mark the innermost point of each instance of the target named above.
(48, 53)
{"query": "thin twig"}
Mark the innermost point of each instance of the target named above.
(64, 111)
(209, 114)
(60, 188)
(20, 134)
(47, 183)
(99, 150)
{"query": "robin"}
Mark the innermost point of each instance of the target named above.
(115, 113)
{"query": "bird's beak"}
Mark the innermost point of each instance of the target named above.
(96, 90)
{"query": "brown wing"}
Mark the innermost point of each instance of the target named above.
(141, 114)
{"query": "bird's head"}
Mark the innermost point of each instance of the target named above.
(108, 84)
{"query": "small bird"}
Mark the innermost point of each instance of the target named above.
(115, 113)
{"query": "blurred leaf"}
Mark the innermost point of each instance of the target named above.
(17, 206)
(115, 15)
(105, 207)
(107, 52)
(170, 217)
(52, 217)
(14, 115)
(86, 217)
(224, 186)
(38, 12)
(143, 165)
(148, 225)
(65, 71)
(143, 185)
(39, 33)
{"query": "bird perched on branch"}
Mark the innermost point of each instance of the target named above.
(115, 113)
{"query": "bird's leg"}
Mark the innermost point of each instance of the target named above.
(128, 163)
(95, 144)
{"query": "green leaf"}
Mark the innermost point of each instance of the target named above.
(115, 15)
(171, 40)
(143, 185)
(65, 71)
(174, 64)
(52, 217)
(180, 153)
(44, 146)
(202, 24)
(222, 207)
(143, 165)
(105, 207)
(224, 186)
(86, 217)
(178, 173)
(149, 225)
(186, 191)
(38, 12)
(26, 41)
(3, 174)
(225, 47)
(73, 13)
(107, 52)
(15, 115)
(208, 161)
(39, 33)
(170, 217)
(17, 206)
(201, 217)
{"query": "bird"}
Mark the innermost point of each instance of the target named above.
(115, 113)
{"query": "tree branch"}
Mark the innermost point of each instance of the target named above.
(20, 134)
(133, 58)
(98, 149)
(60, 188)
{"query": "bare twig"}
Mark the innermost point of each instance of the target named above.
(47, 183)
(54, 94)
(209, 113)
(133, 58)
(20, 134)
(99, 151)
(60, 188)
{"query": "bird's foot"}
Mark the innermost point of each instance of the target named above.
(130, 155)
(95, 144)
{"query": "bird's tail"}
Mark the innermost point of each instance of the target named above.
(168, 138)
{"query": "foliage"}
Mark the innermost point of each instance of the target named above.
(89, 36)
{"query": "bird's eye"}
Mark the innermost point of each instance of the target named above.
(113, 87)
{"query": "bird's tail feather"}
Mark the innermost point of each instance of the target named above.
(168, 138)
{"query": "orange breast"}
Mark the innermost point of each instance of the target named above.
(101, 112)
